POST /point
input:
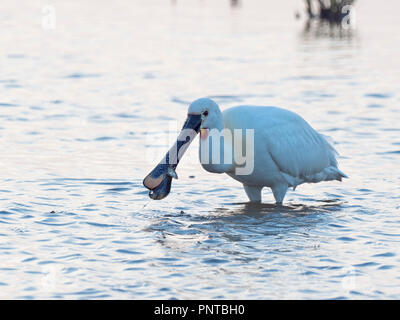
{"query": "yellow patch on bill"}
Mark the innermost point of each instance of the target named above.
(203, 133)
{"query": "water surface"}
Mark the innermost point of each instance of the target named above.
(85, 112)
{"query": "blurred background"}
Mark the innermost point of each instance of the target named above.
(89, 92)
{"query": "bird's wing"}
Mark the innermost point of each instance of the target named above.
(300, 153)
(298, 150)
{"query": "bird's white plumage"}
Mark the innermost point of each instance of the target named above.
(287, 150)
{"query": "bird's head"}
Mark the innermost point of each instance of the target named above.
(203, 114)
(209, 112)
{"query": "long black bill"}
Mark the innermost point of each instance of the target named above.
(158, 181)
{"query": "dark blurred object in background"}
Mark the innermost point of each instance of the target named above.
(329, 10)
(235, 3)
(329, 19)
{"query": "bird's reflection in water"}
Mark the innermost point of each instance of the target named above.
(316, 29)
(292, 209)
(245, 226)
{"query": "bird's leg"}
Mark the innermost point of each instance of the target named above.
(253, 192)
(279, 192)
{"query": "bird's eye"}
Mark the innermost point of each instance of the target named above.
(205, 113)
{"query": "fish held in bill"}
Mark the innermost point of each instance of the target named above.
(159, 180)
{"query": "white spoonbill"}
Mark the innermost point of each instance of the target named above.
(285, 151)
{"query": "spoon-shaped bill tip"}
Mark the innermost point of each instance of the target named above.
(158, 181)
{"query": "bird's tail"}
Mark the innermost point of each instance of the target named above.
(333, 173)
(340, 175)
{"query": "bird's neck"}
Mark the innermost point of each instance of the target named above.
(216, 149)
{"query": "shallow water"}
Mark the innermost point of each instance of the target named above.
(85, 110)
